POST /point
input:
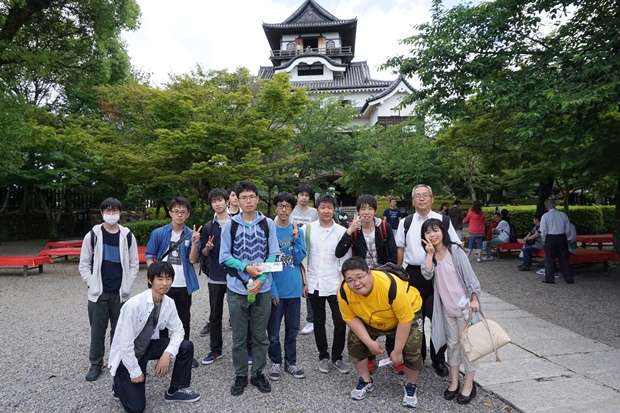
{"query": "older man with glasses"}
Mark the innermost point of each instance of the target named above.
(411, 254)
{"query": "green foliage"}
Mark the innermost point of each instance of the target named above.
(532, 102)
(54, 51)
(142, 229)
(204, 130)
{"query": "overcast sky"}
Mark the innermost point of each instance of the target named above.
(174, 36)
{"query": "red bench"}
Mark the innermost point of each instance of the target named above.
(75, 252)
(62, 252)
(27, 262)
(71, 243)
(586, 255)
(508, 247)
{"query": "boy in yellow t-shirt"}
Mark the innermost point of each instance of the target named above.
(370, 312)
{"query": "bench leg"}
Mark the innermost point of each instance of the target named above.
(606, 266)
(41, 269)
(25, 270)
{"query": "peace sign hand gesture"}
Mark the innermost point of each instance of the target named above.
(428, 247)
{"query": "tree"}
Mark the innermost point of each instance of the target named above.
(54, 51)
(547, 70)
(203, 130)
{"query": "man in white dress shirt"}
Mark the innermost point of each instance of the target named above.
(411, 254)
(554, 228)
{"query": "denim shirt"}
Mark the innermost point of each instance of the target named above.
(158, 245)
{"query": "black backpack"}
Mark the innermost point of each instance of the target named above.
(445, 219)
(233, 231)
(391, 270)
(205, 262)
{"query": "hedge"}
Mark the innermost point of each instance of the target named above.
(142, 229)
(587, 219)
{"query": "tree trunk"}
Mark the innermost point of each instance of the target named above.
(5, 204)
(616, 230)
(545, 188)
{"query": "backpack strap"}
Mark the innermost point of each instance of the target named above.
(393, 287)
(206, 231)
(445, 219)
(307, 236)
(343, 294)
(383, 231)
(407, 225)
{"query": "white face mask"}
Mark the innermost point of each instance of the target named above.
(111, 219)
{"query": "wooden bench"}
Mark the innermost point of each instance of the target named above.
(27, 262)
(584, 255)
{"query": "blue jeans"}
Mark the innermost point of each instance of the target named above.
(475, 239)
(289, 308)
(132, 395)
(527, 259)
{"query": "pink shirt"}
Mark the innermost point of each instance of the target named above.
(449, 286)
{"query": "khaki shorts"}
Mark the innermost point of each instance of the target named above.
(411, 353)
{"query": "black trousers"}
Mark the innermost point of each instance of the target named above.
(133, 395)
(320, 333)
(425, 287)
(183, 303)
(556, 246)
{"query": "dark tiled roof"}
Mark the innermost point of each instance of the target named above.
(318, 24)
(357, 76)
(310, 14)
(386, 92)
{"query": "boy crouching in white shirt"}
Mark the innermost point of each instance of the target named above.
(136, 341)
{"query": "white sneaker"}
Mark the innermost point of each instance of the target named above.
(362, 389)
(308, 329)
(410, 399)
(478, 259)
(541, 271)
(489, 258)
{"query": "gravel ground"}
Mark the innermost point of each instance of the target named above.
(44, 356)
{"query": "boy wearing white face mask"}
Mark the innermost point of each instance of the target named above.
(109, 266)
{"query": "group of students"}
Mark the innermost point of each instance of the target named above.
(263, 267)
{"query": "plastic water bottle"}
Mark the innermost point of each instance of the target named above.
(475, 317)
(464, 306)
(251, 297)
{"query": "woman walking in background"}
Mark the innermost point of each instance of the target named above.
(477, 222)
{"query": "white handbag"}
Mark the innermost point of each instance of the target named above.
(482, 338)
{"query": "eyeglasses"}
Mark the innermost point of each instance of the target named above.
(422, 196)
(352, 281)
(284, 206)
(178, 212)
(247, 198)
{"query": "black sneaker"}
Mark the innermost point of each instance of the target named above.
(206, 330)
(93, 374)
(260, 382)
(240, 383)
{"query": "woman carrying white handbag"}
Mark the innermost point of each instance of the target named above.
(454, 281)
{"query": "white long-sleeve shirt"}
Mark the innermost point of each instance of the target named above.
(554, 223)
(134, 315)
(323, 266)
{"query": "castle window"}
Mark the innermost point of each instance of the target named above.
(330, 44)
(316, 69)
(290, 46)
